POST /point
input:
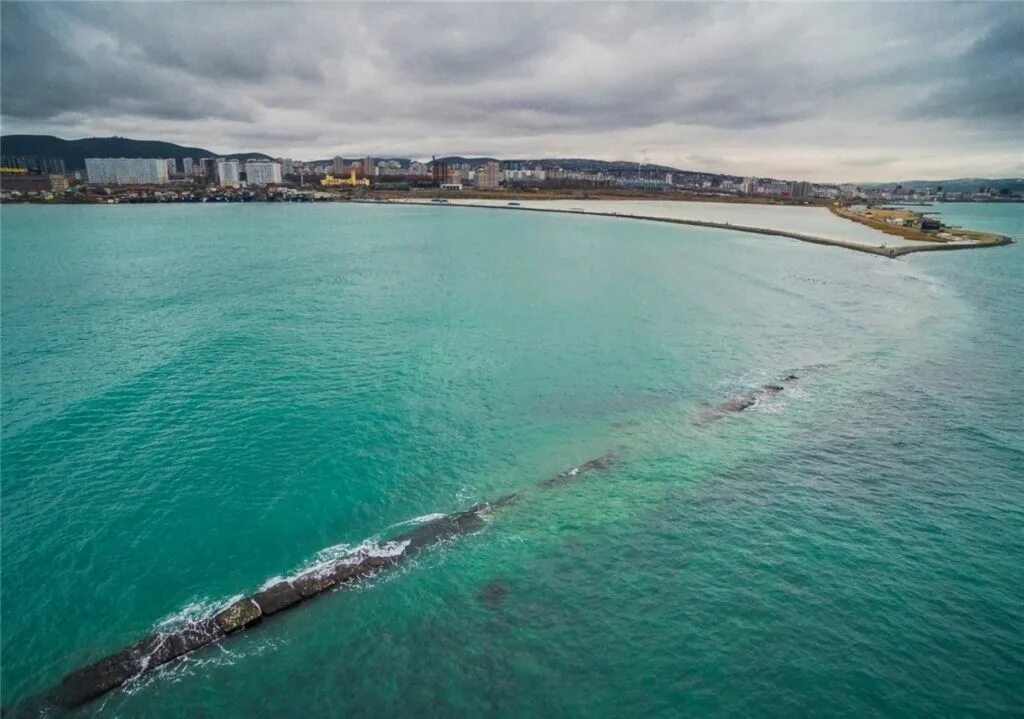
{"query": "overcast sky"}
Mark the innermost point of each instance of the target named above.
(832, 92)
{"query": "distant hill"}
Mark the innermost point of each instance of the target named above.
(963, 184)
(74, 152)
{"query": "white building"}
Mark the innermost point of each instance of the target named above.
(263, 173)
(126, 170)
(418, 168)
(227, 173)
(186, 165)
(511, 176)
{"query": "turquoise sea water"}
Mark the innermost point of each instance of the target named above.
(197, 399)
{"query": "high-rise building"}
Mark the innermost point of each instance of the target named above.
(488, 175)
(186, 165)
(368, 168)
(338, 165)
(801, 190)
(286, 165)
(126, 170)
(208, 167)
(172, 166)
(439, 171)
(263, 173)
(749, 185)
(227, 173)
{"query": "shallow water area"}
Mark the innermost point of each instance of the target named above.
(200, 399)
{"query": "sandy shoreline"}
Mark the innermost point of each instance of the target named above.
(815, 225)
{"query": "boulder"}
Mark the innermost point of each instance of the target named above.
(238, 616)
(144, 655)
(273, 599)
(92, 681)
(598, 464)
(313, 583)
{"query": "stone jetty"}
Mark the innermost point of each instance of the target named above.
(713, 412)
(598, 464)
(98, 678)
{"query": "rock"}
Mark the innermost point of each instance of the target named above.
(594, 465)
(144, 655)
(772, 388)
(493, 593)
(97, 679)
(313, 583)
(273, 599)
(789, 378)
(505, 501)
(437, 530)
(238, 616)
(192, 637)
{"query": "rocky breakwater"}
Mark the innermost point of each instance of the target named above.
(156, 650)
(713, 412)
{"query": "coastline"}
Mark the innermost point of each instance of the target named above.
(908, 241)
(880, 250)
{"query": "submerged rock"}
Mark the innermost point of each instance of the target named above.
(493, 593)
(238, 616)
(437, 530)
(710, 413)
(598, 464)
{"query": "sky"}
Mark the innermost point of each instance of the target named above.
(825, 92)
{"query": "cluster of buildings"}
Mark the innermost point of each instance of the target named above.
(160, 171)
(214, 176)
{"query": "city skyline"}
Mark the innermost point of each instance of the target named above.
(766, 90)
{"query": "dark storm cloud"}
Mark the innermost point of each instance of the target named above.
(986, 81)
(769, 87)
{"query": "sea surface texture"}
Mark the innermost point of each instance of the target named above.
(200, 398)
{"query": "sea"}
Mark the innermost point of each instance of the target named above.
(198, 399)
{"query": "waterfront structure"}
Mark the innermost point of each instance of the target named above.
(126, 170)
(488, 175)
(186, 165)
(263, 173)
(351, 181)
(33, 164)
(59, 183)
(227, 173)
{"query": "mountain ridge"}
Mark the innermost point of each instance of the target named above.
(74, 152)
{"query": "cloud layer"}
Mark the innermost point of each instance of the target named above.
(823, 92)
